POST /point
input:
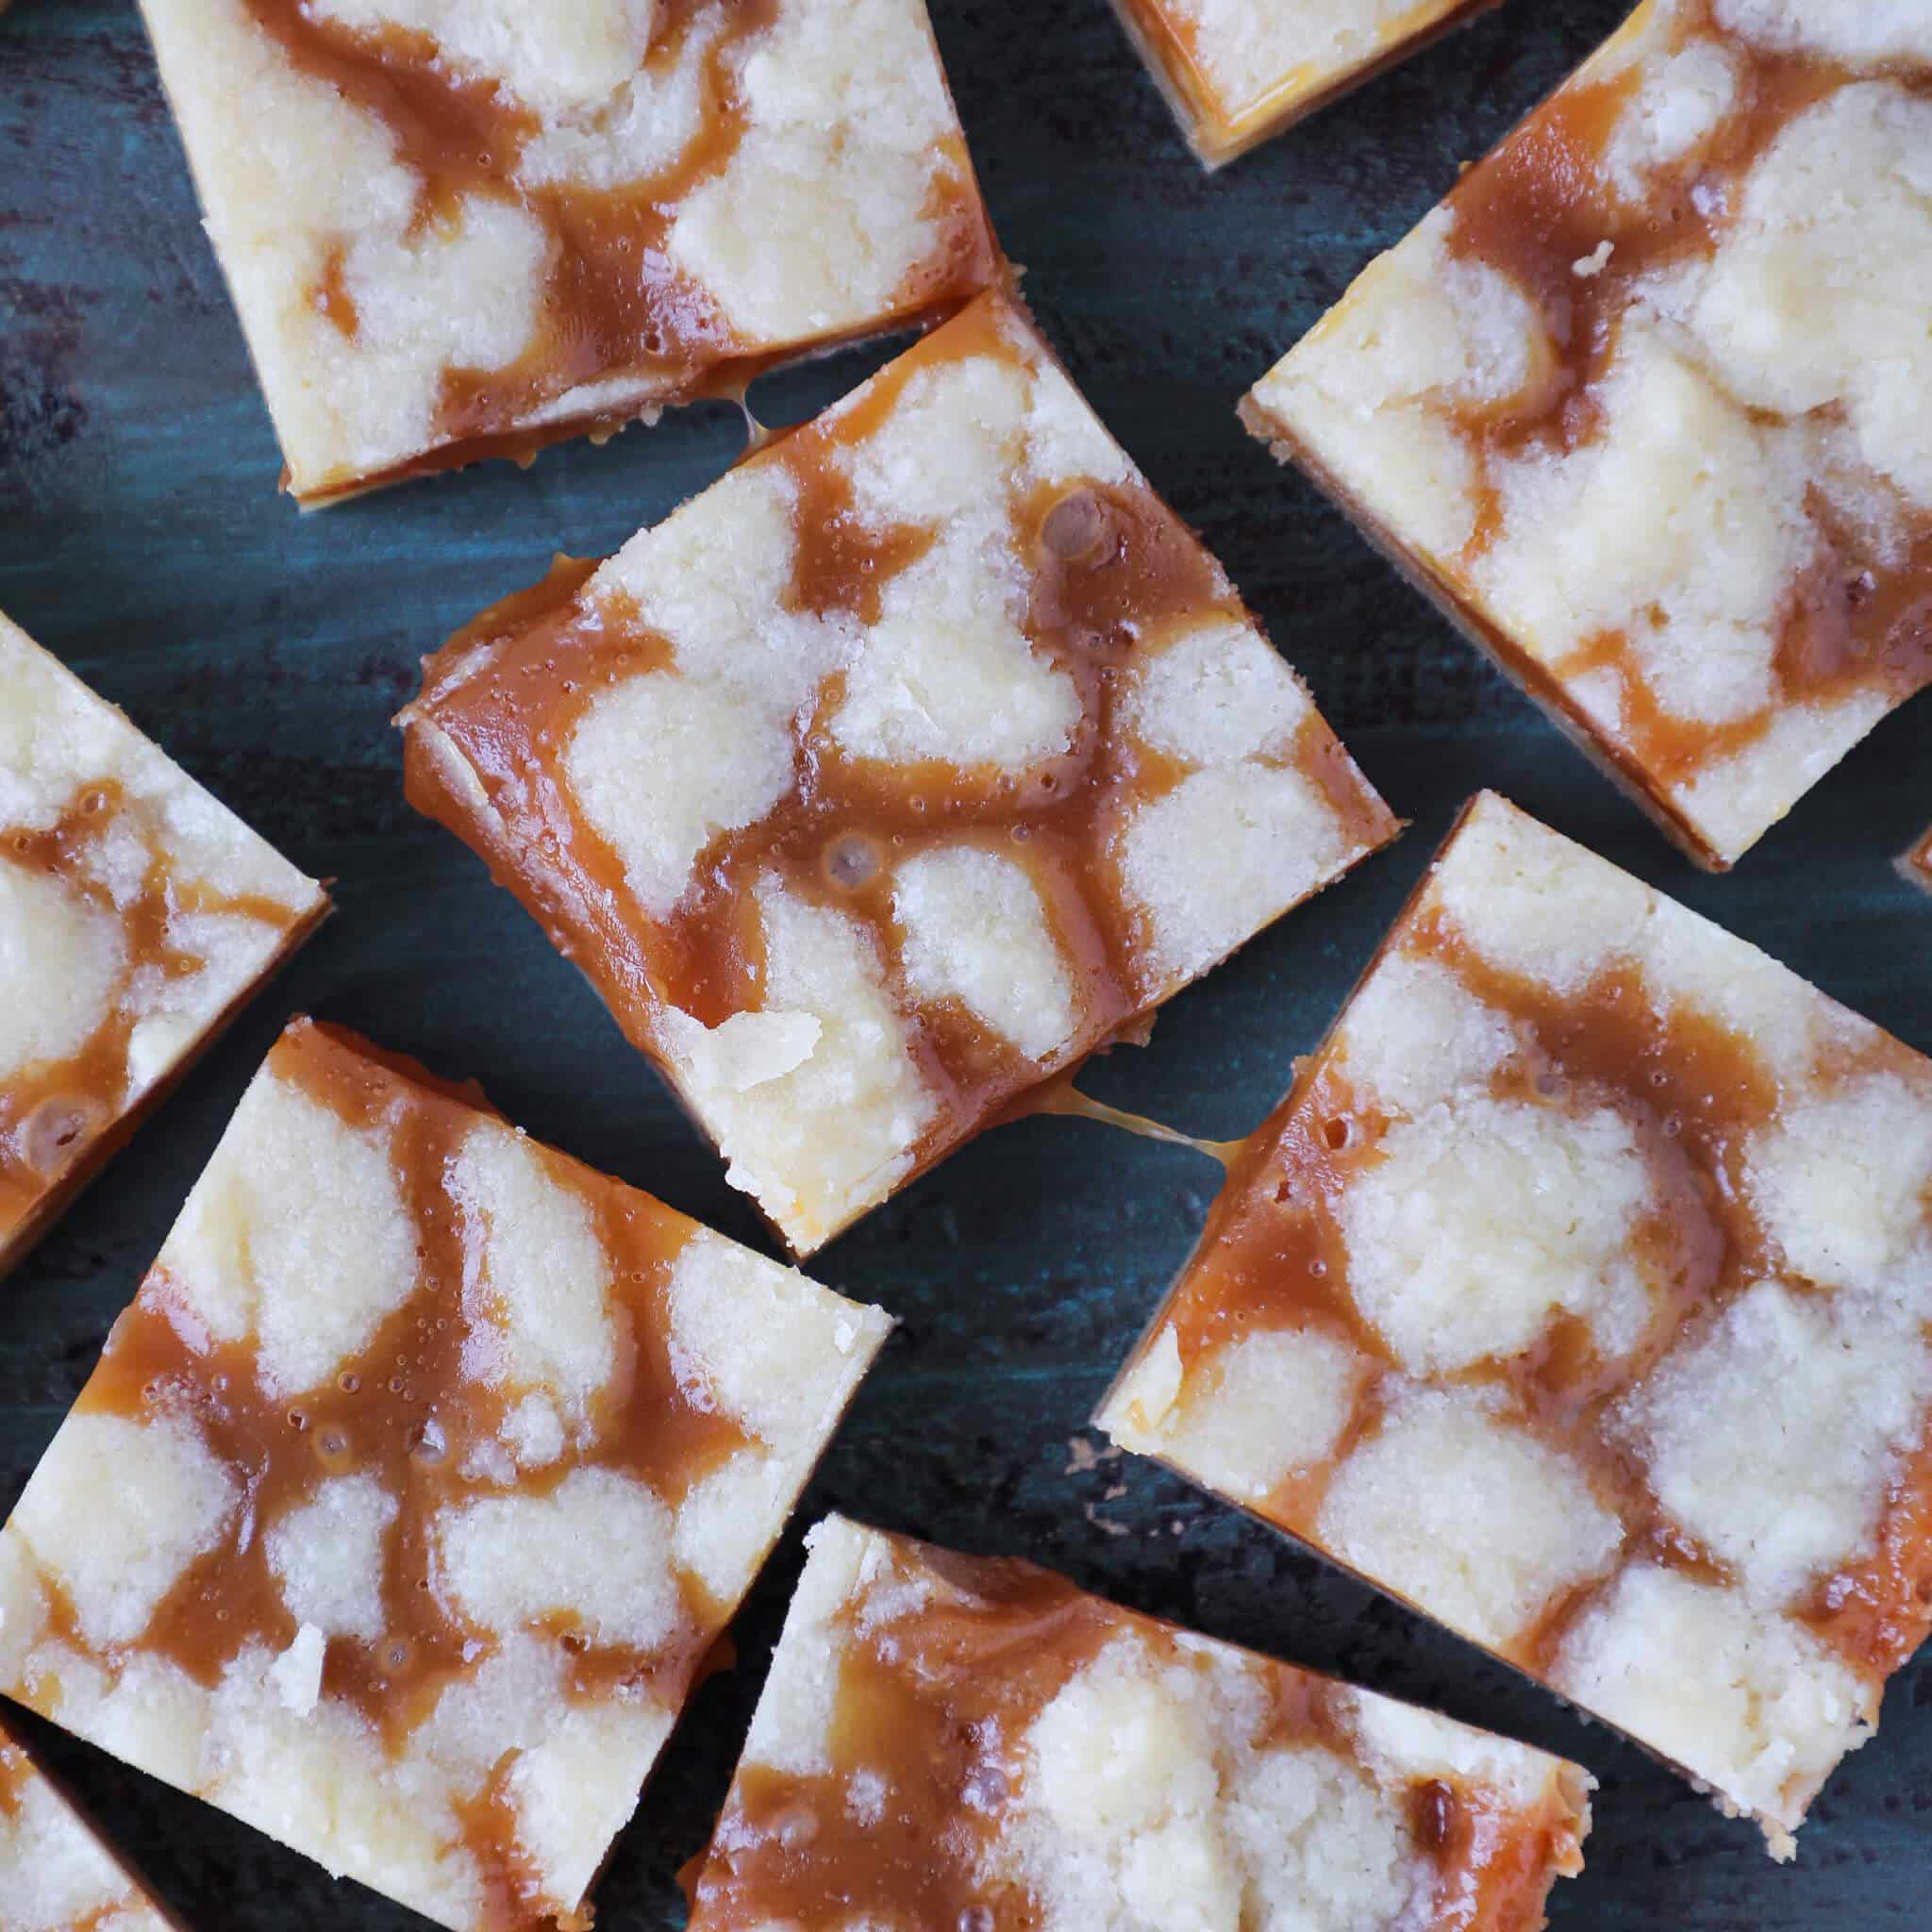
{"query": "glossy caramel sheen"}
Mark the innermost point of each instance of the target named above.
(407, 1413)
(1858, 620)
(59, 1119)
(1273, 1256)
(1112, 567)
(935, 1701)
(613, 304)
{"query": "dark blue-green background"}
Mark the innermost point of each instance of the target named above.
(142, 539)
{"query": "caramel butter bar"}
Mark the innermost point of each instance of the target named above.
(957, 1742)
(922, 755)
(136, 915)
(1639, 404)
(415, 1487)
(1238, 72)
(57, 1875)
(1577, 1295)
(460, 230)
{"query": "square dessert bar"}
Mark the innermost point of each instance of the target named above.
(456, 232)
(136, 915)
(414, 1488)
(1577, 1295)
(973, 1745)
(921, 756)
(1640, 404)
(1238, 72)
(55, 1873)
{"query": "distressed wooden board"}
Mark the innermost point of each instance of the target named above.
(142, 539)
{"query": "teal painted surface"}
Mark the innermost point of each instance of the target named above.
(140, 537)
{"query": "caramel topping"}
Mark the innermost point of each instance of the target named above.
(1495, 1863)
(1875, 1613)
(1692, 1093)
(407, 1412)
(1856, 620)
(613, 304)
(1113, 572)
(932, 1709)
(59, 1117)
(489, 1827)
(332, 295)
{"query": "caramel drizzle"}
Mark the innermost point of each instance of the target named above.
(613, 303)
(405, 1412)
(1273, 1256)
(936, 1704)
(510, 689)
(1059, 1097)
(1853, 621)
(54, 1114)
